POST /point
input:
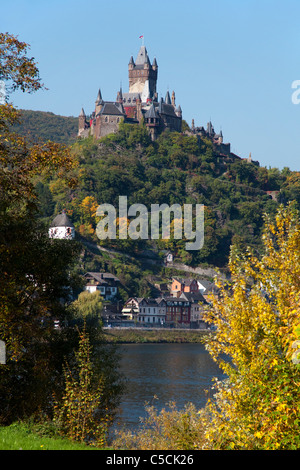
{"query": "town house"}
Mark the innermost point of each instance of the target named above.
(183, 285)
(107, 284)
(145, 311)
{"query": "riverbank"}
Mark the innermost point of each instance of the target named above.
(153, 335)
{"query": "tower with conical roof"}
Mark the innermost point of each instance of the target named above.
(62, 227)
(82, 124)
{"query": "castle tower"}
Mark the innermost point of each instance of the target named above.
(82, 124)
(141, 71)
(98, 103)
(152, 122)
(62, 228)
(178, 111)
(173, 99)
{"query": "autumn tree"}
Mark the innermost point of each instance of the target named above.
(256, 318)
(78, 415)
(35, 272)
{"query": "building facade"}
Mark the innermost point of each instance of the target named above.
(180, 285)
(145, 311)
(139, 104)
(107, 284)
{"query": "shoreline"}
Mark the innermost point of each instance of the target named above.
(129, 335)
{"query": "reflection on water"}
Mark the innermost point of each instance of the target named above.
(171, 372)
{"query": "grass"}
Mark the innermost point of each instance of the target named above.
(19, 437)
(137, 335)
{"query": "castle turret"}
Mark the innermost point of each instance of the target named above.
(178, 111)
(152, 121)
(139, 113)
(98, 103)
(82, 124)
(173, 99)
(62, 227)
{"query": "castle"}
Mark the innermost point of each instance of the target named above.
(140, 104)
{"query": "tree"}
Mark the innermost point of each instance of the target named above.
(35, 272)
(16, 69)
(89, 306)
(77, 415)
(257, 324)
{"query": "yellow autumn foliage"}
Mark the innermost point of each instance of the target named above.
(258, 406)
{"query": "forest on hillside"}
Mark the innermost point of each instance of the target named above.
(178, 168)
(44, 126)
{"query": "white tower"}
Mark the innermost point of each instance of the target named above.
(62, 227)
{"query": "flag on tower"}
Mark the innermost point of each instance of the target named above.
(140, 37)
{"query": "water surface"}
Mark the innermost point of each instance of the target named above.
(180, 373)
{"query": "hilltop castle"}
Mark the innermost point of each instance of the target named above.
(141, 103)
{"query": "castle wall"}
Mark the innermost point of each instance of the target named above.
(107, 124)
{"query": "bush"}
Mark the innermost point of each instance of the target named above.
(170, 429)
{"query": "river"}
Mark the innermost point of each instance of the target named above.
(160, 373)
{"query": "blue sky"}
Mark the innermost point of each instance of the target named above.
(229, 61)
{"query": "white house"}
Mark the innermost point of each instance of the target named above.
(62, 227)
(106, 283)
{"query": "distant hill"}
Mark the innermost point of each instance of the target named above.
(40, 125)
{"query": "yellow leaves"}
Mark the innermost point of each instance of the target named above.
(22, 161)
(257, 321)
(89, 206)
(51, 156)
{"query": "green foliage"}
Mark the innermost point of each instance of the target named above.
(20, 436)
(44, 126)
(176, 168)
(89, 306)
(36, 275)
(77, 415)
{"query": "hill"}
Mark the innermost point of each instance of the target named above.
(40, 125)
(176, 168)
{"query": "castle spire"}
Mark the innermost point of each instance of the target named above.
(142, 57)
(120, 95)
(168, 99)
(99, 97)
